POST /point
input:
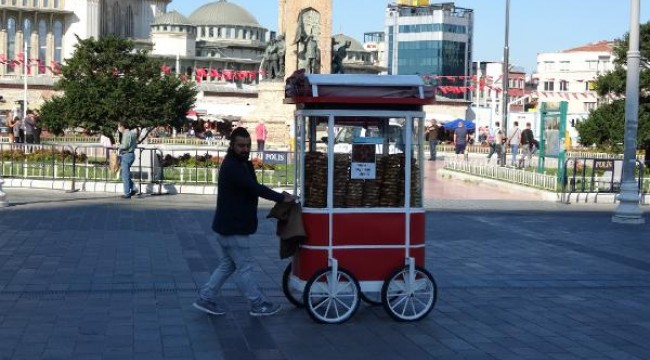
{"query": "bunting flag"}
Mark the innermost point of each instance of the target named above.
(3, 59)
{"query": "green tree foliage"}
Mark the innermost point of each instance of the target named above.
(605, 126)
(107, 81)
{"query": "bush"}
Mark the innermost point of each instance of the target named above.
(206, 161)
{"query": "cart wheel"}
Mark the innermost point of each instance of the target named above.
(293, 295)
(371, 298)
(409, 302)
(332, 298)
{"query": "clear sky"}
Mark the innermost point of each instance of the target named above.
(535, 25)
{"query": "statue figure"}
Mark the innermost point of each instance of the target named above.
(270, 61)
(338, 57)
(312, 55)
(282, 50)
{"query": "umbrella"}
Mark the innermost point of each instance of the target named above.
(469, 125)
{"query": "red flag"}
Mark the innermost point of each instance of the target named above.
(214, 73)
(21, 58)
(200, 72)
(3, 59)
(228, 74)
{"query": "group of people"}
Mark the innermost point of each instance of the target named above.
(24, 130)
(516, 139)
(499, 142)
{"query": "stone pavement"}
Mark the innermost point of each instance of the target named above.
(89, 276)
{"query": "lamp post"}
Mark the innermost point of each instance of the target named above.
(628, 210)
(505, 78)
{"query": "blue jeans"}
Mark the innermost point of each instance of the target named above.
(235, 256)
(514, 149)
(433, 144)
(126, 160)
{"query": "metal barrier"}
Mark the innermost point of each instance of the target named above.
(153, 167)
(516, 176)
(596, 176)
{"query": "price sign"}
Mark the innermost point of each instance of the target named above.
(364, 165)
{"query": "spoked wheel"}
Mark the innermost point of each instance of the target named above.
(293, 295)
(371, 298)
(409, 299)
(332, 298)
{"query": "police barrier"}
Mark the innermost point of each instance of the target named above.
(596, 176)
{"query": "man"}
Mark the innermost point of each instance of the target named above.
(235, 219)
(496, 143)
(432, 136)
(260, 134)
(460, 138)
(29, 126)
(527, 145)
(127, 157)
(514, 139)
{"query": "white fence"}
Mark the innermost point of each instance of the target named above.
(516, 176)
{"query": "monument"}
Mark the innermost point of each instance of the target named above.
(307, 28)
(304, 42)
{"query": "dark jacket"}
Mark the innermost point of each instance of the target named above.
(290, 228)
(237, 195)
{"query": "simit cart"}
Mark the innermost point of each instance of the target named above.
(359, 176)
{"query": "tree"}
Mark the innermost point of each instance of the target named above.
(106, 81)
(605, 125)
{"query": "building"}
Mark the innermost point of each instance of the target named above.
(375, 43)
(359, 60)
(433, 40)
(569, 75)
(43, 33)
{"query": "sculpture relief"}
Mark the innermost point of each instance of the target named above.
(307, 41)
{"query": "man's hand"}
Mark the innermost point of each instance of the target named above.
(288, 197)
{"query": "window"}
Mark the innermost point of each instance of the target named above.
(211, 32)
(35, 3)
(590, 85)
(42, 46)
(564, 85)
(117, 25)
(11, 41)
(27, 38)
(129, 22)
(589, 106)
(549, 86)
(564, 65)
(592, 64)
(549, 65)
(58, 41)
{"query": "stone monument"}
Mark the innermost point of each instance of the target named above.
(304, 37)
(307, 28)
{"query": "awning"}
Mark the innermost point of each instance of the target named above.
(226, 110)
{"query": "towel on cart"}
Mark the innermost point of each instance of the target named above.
(290, 228)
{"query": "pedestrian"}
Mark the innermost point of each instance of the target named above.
(29, 125)
(18, 130)
(496, 143)
(514, 139)
(261, 134)
(235, 219)
(126, 150)
(527, 146)
(460, 139)
(10, 130)
(432, 137)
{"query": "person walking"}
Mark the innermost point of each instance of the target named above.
(29, 125)
(495, 141)
(261, 134)
(18, 130)
(432, 136)
(460, 139)
(527, 146)
(235, 219)
(514, 139)
(126, 150)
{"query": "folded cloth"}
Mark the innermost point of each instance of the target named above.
(290, 228)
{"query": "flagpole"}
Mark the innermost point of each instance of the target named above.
(25, 60)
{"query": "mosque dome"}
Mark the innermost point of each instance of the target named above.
(223, 12)
(171, 18)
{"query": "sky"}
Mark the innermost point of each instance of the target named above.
(536, 26)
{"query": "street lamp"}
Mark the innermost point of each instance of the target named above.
(628, 210)
(506, 79)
